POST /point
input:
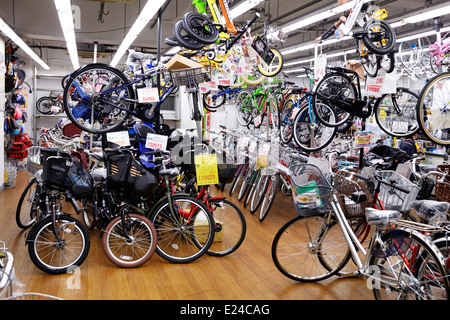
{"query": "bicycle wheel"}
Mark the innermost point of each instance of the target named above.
(269, 197)
(200, 28)
(129, 241)
(311, 135)
(303, 243)
(27, 211)
(380, 38)
(274, 111)
(97, 99)
(230, 227)
(274, 67)
(245, 106)
(62, 254)
(259, 192)
(433, 113)
(44, 105)
(184, 38)
(396, 113)
(213, 100)
(185, 229)
(333, 88)
(407, 266)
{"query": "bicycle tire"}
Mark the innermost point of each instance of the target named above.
(409, 100)
(269, 198)
(259, 192)
(331, 86)
(275, 66)
(133, 253)
(44, 105)
(27, 202)
(85, 99)
(388, 41)
(231, 228)
(200, 28)
(431, 109)
(396, 245)
(296, 254)
(244, 110)
(40, 243)
(184, 39)
(309, 135)
(177, 239)
(212, 101)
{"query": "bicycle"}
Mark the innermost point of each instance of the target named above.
(52, 104)
(254, 106)
(394, 113)
(399, 263)
(213, 100)
(57, 242)
(432, 109)
(99, 98)
(376, 39)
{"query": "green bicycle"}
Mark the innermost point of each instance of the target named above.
(258, 107)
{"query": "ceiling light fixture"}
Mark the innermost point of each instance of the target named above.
(243, 7)
(17, 40)
(306, 21)
(147, 13)
(64, 9)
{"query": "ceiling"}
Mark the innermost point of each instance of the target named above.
(107, 22)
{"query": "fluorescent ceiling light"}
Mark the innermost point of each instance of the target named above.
(243, 8)
(422, 35)
(303, 22)
(428, 14)
(147, 13)
(17, 40)
(64, 9)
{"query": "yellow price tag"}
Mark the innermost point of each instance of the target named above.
(206, 169)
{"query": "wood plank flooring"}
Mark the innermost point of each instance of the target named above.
(247, 274)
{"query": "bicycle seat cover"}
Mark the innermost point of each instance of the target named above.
(381, 217)
(431, 211)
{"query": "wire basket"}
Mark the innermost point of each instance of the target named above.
(34, 159)
(189, 77)
(10, 172)
(353, 196)
(392, 198)
(442, 186)
(311, 191)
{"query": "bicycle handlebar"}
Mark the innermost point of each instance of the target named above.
(332, 29)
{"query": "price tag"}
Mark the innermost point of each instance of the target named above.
(148, 95)
(156, 141)
(120, 138)
(206, 169)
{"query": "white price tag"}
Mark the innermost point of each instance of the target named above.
(156, 141)
(120, 138)
(148, 95)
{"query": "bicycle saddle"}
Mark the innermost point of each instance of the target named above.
(431, 210)
(381, 217)
(297, 90)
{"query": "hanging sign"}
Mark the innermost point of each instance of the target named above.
(206, 169)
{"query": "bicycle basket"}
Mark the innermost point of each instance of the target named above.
(311, 191)
(392, 198)
(34, 159)
(189, 77)
(124, 172)
(353, 196)
(442, 188)
(62, 171)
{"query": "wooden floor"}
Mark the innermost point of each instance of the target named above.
(247, 274)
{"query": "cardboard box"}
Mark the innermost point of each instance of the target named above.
(179, 62)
